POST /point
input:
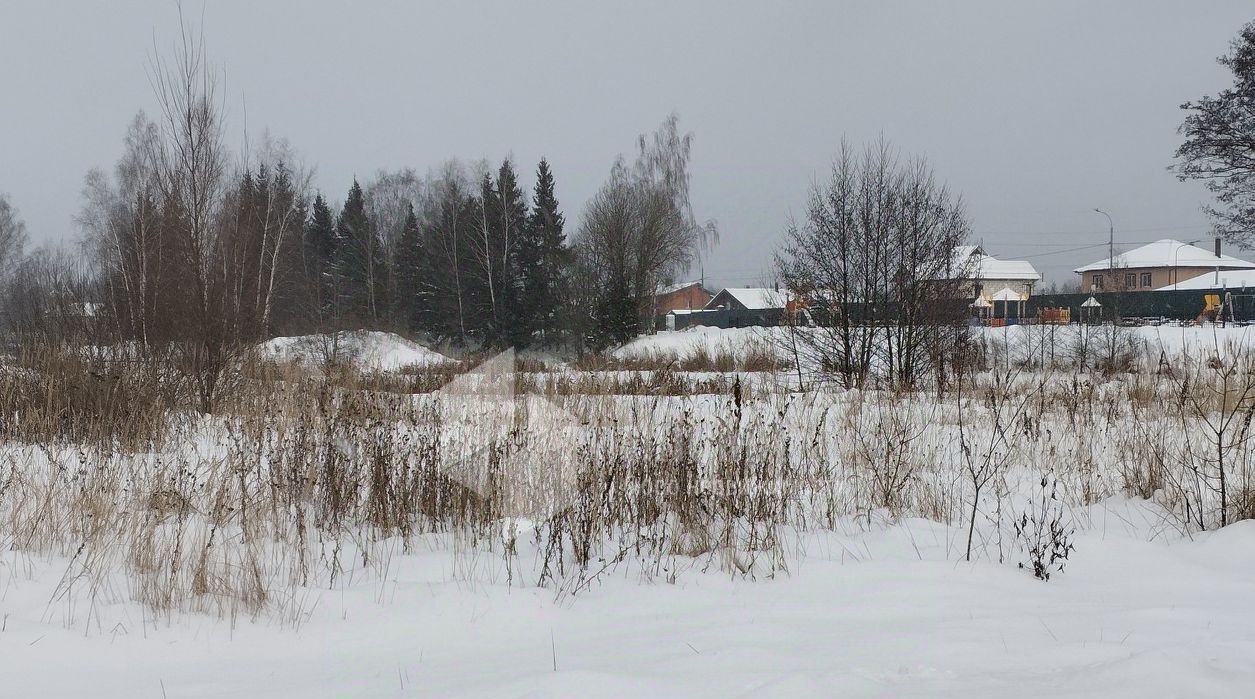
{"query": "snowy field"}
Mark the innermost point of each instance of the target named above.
(834, 566)
(884, 610)
(1172, 339)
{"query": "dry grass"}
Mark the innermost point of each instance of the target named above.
(60, 396)
(307, 478)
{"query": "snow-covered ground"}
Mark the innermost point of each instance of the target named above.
(859, 603)
(698, 338)
(1173, 339)
(1038, 345)
(370, 350)
(884, 610)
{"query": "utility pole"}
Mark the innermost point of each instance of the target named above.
(1111, 245)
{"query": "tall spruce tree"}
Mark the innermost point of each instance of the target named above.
(360, 263)
(483, 271)
(542, 257)
(284, 309)
(444, 284)
(511, 230)
(320, 248)
(495, 289)
(408, 265)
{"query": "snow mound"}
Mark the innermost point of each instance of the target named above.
(695, 339)
(369, 350)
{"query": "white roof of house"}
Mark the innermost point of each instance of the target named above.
(1167, 253)
(993, 268)
(1227, 279)
(753, 298)
(971, 262)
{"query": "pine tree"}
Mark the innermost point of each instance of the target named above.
(408, 265)
(360, 263)
(616, 314)
(444, 282)
(543, 258)
(501, 222)
(320, 249)
(482, 271)
(283, 299)
(511, 231)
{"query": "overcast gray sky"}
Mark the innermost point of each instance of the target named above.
(1035, 112)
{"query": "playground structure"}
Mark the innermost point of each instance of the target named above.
(1213, 309)
(1054, 316)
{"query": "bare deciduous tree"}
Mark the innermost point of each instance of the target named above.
(12, 237)
(875, 259)
(639, 231)
(1219, 146)
(13, 240)
(390, 196)
(284, 203)
(12, 243)
(122, 222)
(445, 219)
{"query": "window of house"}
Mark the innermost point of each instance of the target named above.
(1130, 281)
(1097, 281)
(1145, 278)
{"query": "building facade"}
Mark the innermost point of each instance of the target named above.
(1156, 265)
(687, 296)
(985, 276)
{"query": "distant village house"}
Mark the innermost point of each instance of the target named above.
(748, 299)
(986, 277)
(731, 308)
(685, 296)
(1163, 263)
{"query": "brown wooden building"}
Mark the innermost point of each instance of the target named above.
(687, 296)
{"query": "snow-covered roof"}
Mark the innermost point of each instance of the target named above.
(1167, 253)
(993, 268)
(753, 298)
(971, 262)
(1091, 302)
(672, 288)
(1226, 279)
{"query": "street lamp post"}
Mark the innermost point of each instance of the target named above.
(1176, 273)
(1111, 245)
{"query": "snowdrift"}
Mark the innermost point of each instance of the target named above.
(368, 350)
(713, 341)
